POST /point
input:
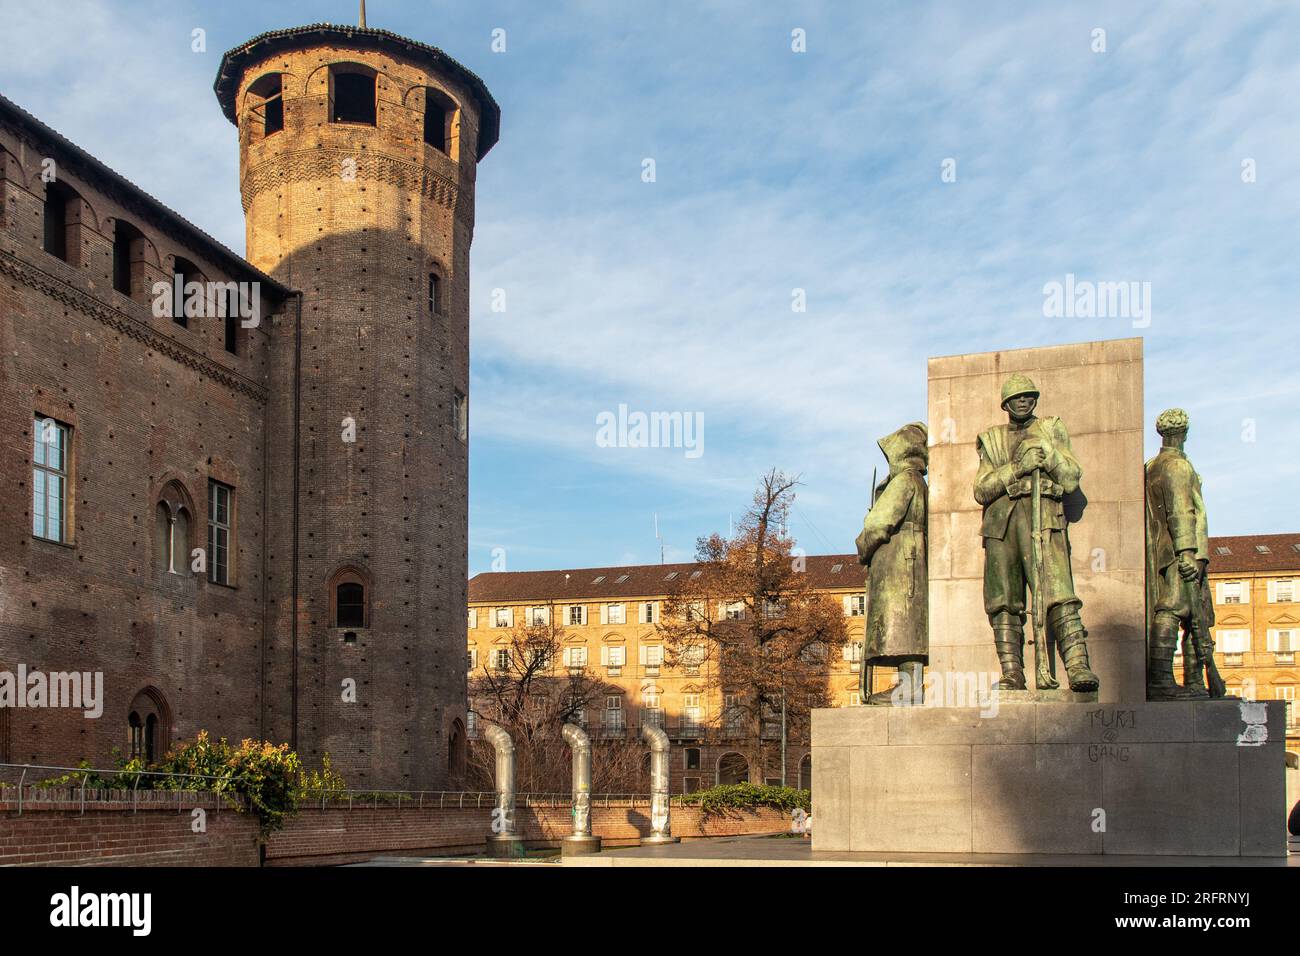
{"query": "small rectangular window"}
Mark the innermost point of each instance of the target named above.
(274, 116)
(353, 98)
(49, 479)
(435, 294)
(219, 525)
(56, 222)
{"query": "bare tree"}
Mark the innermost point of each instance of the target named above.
(527, 688)
(752, 621)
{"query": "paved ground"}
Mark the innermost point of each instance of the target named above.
(787, 851)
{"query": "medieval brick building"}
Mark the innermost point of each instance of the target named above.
(237, 487)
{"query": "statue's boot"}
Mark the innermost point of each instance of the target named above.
(1072, 639)
(1009, 640)
(907, 692)
(1193, 670)
(1161, 684)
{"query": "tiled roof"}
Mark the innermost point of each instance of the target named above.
(114, 182)
(231, 70)
(634, 581)
(1282, 554)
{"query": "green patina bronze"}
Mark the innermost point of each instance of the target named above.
(1026, 470)
(1177, 556)
(892, 544)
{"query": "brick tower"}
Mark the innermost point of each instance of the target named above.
(357, 157)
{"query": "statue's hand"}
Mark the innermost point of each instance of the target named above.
(1188, 567)
(1031, 458)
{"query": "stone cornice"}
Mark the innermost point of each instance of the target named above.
(121, 321)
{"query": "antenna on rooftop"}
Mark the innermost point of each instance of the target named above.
(659, 539)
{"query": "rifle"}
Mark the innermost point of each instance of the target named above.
(1201, 637)
(1043, 678)
(869, 670)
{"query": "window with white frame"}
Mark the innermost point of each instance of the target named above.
(855, 698)
(503, 617)
(49, 479)
(857, 605)
(1230, 592)
(577, 614)
(734, 611)
(614, 712)
(692, 712)
(647, 612)
(1282, 642)
(471, 725)
(614, 657)
(539, 616)
(1232, 644)
(501, 659)
(473, 618)
(652, 658)
(614, 614)
(853, 654)
(692, 659)
(575, 657)
(652, 715)
(1283, 591)
(220, 520)
(472, 661)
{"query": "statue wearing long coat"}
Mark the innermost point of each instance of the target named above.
(892, 545)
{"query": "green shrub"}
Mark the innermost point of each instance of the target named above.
(748, 796)
(265, 775)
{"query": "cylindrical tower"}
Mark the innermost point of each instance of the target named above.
(357, 155)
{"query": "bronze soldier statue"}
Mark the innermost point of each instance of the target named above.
(1177, 557)
(1026, 468)
(892, 546)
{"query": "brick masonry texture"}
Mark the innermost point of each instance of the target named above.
(157, 835)
(347, 332)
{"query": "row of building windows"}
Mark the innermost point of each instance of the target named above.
(352, 99)
(173, 524)
(62, 207)
(1277, 590)
(575, 615)
(51, 458)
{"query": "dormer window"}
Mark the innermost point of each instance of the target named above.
(352, 94)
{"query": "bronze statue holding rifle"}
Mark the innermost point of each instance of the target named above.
(1026, 468)
(1177, 559)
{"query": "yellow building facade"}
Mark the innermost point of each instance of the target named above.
(607, 620)
(1256, 584)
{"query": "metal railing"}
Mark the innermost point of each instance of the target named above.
(27, 792)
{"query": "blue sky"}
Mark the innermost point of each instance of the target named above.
(778, 170)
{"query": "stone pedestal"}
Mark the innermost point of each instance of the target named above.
(1199, 778)
(504, 845)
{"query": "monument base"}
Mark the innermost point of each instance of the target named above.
(1185, 778)
(579, 845)
(504, 845)
(1061, 695)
